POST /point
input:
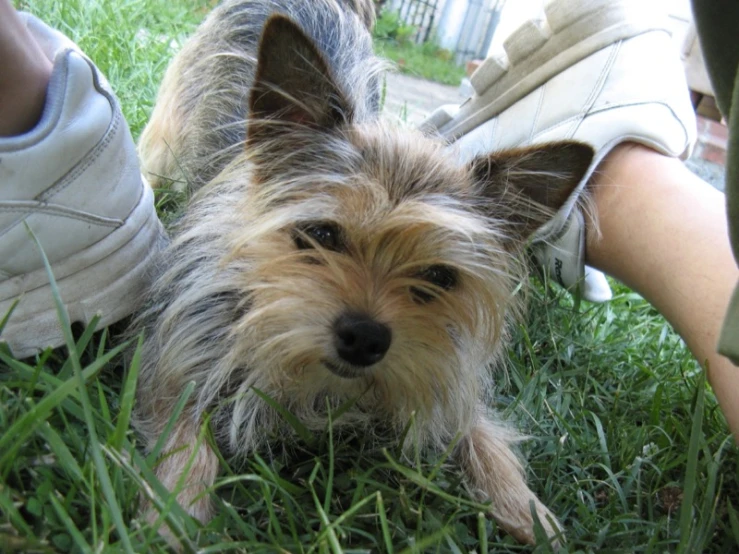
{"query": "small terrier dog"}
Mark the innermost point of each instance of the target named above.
(326, 257)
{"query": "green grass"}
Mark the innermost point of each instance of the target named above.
(426, 61)
(394, 40)
(629, 448)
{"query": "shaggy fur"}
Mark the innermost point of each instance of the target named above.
(309, 209)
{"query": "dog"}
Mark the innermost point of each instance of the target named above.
(326, 256)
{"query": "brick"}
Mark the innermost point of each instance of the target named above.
(717, 135)
(712, 132)
(719, 130)
(714, 154)
(703, 124)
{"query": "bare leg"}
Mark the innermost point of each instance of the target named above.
(24, 76)
(664, 234)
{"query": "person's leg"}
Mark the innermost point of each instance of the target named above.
(24, 76)
(664, 233)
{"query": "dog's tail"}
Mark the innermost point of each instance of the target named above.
(365, 9)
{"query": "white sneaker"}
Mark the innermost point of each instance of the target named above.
(75, 181)
(598, 71)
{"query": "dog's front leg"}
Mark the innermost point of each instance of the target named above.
(191, 468)
(496, 473)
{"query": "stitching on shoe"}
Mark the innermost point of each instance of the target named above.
(61, 211)
(82, 166)
(494, 135)
(542, 93)
(561, 123)
(91, 157)
(657, 103)
(599, 85)
(604, 74)
(609, 108)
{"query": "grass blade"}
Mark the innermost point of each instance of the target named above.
(184, 397)
(386, 537)
(25, 425)
(302, 431)
(127, 398)
(102, 471)
(79, 540)
(691, 471)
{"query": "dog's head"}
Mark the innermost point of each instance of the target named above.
(374, 258)
(373, 262)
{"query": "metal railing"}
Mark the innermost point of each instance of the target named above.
(479, 25)
(475, 34)
(421, 14)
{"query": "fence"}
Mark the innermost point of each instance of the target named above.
(471, 32)
(421, 14)
(477, 30)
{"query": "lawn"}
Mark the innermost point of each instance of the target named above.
(425, 61)
(394, 41)
(628, 445)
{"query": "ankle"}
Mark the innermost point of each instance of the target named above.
(22, 103)
(23, 80)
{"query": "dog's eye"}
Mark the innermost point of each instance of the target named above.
(441, 276)
(325, 235)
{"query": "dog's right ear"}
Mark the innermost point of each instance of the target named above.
(293, 85)
(526, 186)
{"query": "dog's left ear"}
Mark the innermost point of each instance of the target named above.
(526, 186)
(293, 84)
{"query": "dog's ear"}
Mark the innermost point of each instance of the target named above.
(526, 186)
(293, 84)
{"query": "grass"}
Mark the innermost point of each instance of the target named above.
(395, 40)
(426, 61)
(629, 448)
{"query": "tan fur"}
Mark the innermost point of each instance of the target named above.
(496, 473)
(202, 469)
(248, 297)
(159, 140)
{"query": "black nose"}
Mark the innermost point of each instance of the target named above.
(360, 340)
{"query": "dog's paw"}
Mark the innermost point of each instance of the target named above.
(521, 524)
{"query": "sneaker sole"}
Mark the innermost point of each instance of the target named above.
(116, 270)
(538, 50)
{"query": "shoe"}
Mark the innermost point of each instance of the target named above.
(598, 71)
(74, 180)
